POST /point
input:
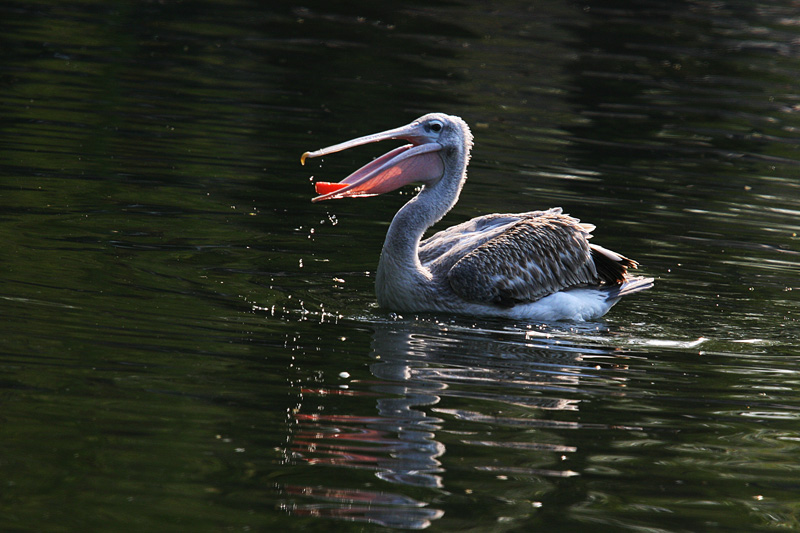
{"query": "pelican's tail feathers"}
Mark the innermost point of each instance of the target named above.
(629, 286)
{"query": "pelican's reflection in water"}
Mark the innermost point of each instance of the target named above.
(438, 387)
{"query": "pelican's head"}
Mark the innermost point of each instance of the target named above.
(434, 138)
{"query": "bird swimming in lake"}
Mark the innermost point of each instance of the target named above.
(537, 265)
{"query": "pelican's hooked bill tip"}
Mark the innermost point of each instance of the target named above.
(303, 158)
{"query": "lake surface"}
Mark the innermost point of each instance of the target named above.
(188, 344)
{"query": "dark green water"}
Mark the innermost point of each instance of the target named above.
(188, 344)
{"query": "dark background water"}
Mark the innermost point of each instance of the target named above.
(187, 343)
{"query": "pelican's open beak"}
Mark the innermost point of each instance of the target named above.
(417, 161)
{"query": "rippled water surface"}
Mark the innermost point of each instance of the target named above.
(188, 344)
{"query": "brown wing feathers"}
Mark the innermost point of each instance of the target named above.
(611, 267)
(536, 257)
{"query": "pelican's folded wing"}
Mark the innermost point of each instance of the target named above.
(538, 256)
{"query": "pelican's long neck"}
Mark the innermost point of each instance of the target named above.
(400, 269)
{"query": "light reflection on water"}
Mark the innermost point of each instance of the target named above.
(461, 407)
(426, 385)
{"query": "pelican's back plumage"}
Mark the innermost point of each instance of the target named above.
(506, 260)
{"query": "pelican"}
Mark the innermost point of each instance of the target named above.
(537, 265)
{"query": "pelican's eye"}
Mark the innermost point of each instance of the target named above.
(435, 126)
